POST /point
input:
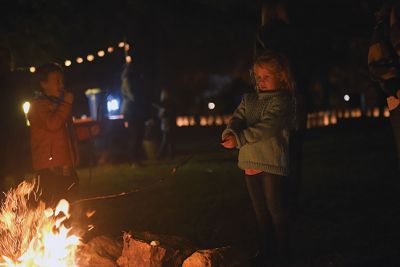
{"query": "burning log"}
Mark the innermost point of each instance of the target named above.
(99, 252)
(154, 250)
(222, 257)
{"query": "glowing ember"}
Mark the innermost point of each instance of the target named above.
(33, 236)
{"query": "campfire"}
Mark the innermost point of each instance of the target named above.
(33, 235)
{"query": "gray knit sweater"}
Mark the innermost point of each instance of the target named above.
(261, 125)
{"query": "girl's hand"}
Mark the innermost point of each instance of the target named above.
(229, 141)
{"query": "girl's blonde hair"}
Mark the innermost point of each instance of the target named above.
(279, 65)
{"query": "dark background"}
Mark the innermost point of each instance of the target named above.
(200, 49)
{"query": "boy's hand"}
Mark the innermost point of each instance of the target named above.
(68, 97)
(229, 141)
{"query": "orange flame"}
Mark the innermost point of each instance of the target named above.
(35, 236)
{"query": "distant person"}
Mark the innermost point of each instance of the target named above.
(260, 128)
(278, 34)
(53, 143)
(134, 118)
(384, 61)
(167, 118)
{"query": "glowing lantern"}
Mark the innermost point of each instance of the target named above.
(121, 44)
(32, 69)
(128, 59)
(79, 60)
(110, 49)
(67, 63)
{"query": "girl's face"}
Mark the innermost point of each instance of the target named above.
(54, 84)
(266, 79)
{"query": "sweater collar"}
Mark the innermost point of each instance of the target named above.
(270, 93)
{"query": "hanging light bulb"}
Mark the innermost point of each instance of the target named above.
(32, 69)
(126, 47)
(128, 59)
(90, 58)
(79, 60)
(110, 49)
(101, 53)
(121, 44)
(67, 63)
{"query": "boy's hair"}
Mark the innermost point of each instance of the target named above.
(280, 65)
(43, 71)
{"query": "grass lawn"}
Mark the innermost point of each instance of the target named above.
(349, 204)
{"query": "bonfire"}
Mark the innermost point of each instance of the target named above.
(33, 235)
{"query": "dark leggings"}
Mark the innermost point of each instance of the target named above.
(268, 194)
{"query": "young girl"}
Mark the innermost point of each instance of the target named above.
(260, 129)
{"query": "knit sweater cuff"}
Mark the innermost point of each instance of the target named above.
(239, 137)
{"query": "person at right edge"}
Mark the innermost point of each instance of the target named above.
(384, 61)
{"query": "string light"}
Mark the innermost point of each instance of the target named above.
(90, 58)
(101, 53)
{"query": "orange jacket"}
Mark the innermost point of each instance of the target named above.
(52, 142)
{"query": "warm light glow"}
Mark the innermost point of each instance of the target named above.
(101, 53)
(110, 49)
(203, 121)
(35, 235)
(376, 112)
(67, 63)
(386, 113)
(26, 106)
(219, 120)
(121, 44)
(346, 98)
(211, 105)
(32, 69)
(126, 47)
(90, 58)
(128, 59)
(79, 60)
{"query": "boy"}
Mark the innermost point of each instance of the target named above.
(53, 146)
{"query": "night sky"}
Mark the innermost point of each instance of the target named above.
(177, 43)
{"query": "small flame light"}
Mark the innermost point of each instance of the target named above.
(128, 59)
(67, 63)
(121, 44)
(79, 60)
(126, 47)
(32, 69)
(110, 49)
